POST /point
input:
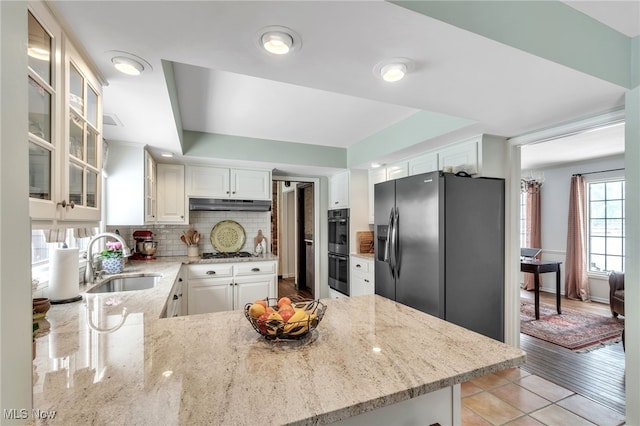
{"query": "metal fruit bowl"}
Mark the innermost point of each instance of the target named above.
(278, 329)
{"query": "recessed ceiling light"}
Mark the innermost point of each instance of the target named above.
(278, 40)
(129, 63)
(394, 69)
(393, 72)
(127, 66)
(167, 154)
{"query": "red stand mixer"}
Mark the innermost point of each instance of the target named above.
(145, 246)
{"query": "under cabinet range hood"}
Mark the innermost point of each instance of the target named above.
(216, 204)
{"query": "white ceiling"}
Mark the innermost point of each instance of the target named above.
(326, 92)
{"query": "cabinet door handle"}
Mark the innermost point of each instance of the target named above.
(255, 270)
(366, 281)
(175, 297)
(227, 192)
(231, 284)
(64, 204)
(211, 272)
(179, 279)
(336, 202)
(358, 266)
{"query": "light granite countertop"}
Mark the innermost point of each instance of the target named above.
(215, 369)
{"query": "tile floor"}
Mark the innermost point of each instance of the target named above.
(515, 397)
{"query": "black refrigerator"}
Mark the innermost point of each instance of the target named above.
(440, 247)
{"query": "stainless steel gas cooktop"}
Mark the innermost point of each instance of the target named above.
(223, 255)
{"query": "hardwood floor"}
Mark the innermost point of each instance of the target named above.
(287, 287)
(597, 375)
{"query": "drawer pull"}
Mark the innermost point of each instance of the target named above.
(358, 266)
(211, 272)
(366, 281)
(255, 270)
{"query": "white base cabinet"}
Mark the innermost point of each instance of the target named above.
(229, 286)
(336, 294)
(362, 276)
(177, 301)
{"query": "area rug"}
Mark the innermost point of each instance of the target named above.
(575, 330)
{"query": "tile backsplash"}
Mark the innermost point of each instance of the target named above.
(168, 236)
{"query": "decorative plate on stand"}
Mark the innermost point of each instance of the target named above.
(227, 236)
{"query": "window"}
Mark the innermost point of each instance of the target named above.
(40, 249)
(605, 209)
(523, 219)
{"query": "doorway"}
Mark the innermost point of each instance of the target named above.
(293, 228)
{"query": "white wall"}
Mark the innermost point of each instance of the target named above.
(554, 216)
(15, 258)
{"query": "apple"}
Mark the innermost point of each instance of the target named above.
(286, 314)
(262, 322)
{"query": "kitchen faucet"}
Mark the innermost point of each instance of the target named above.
(89, 276)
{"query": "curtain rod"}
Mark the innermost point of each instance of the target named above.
(601, 171)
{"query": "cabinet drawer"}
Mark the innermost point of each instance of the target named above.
(210, 270)
(360, 265)
(255, 268)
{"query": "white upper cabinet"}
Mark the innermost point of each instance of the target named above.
(222, 182)
(397, 170)
(462, 157)
(170, 193)
(130, 188)
(65, 126)
(339, 190)
(424, 163)
(150, 188)
(247, 184)
(208, 181)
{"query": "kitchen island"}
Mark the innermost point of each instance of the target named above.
(369, 354)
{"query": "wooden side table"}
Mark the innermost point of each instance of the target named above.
(537, 267)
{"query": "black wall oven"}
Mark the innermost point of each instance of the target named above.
(339, 250)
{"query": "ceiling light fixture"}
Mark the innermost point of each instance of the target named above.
(278, 40)
(167, 155)
(127, 66)
(393, 72)
(128, 63)
(394, 69)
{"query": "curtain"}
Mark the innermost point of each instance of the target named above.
(576, 282)
(533, 234)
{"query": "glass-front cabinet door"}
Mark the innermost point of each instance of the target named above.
(84, 144)
(65, 125)
(44, 84)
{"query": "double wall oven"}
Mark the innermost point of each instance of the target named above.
(339, 250)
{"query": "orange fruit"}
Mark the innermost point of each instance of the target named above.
(269, 310)
(284, 301)
(261, 302)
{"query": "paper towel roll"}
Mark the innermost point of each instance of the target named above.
(64, 275)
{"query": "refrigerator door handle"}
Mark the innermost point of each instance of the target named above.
(395, 242)
(387, 241)
(388, 248)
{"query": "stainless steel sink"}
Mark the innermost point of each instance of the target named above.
(126, 283)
